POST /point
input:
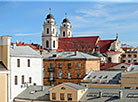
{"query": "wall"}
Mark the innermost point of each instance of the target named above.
(74, 71)
(3, 88)
(67, 90)
(34, 71)
(92, 65)
(80, 93)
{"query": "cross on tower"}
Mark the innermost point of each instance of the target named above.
(50, 10)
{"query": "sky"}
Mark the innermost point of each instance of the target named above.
(23, 20)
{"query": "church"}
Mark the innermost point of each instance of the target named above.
(108, 50)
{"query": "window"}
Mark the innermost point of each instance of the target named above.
(60, 65)
(124, 61)
(53, 31)
(47, 21)
(16, 80)
(63, 33)
(60, 75)
(28, 62)
(30, 80)
(64, 25)
(129, 61)
(69, 75)
(135, 56)
(135, 61)
(69, 65)
(109, 59)
(78, 75)
(18, 62)
(51, 76)
(127, 87)
(47, 30)
(53, 96)
(69, 33)
(22, 79)
(123, 67)
(47, 44)
(129, 55)
(61, 96)
(123, 56)
(79, 65)
(63, 88)
(51, 65)
(69, 96)
(54, 44)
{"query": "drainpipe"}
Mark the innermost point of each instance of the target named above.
(120, 94)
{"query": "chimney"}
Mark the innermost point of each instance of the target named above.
(100, 94)
(5, 50)
(42, 88)
(120, 94)
(76, 53)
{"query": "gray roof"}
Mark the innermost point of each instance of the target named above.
(35, 93)
(75, 86)
(24, 51)
(2, 66)
(72, 85)
(111, 76)
(128, 95)
(68, 55)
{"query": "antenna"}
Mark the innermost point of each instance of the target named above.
(49, 10)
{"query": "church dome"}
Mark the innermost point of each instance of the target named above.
(49, 16)
(66, 20)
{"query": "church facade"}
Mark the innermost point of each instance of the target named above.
(108, 50)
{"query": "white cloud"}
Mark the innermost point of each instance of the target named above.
(26, 34)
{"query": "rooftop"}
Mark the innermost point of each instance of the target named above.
(23, 51)
(68, 55)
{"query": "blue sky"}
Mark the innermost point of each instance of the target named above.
(23, 20)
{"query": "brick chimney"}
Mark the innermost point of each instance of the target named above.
(5, 50)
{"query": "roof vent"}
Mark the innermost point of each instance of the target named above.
(32, 92)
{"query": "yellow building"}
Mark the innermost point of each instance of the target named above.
(4, 67)
(67, 92)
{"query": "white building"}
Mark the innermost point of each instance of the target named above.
(26, 69)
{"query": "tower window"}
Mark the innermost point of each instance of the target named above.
(54, 44)
(47, 44)
(53, 31)
(69, 33)
(63, 33)
(47, 21)
(64, 25)
(47, 30)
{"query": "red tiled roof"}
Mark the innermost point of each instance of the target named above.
(104, 45)
(109, 65)
(113, 52)
(33, 46)
(77, 43)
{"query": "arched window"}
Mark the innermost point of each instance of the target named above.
(16, 80)
(54, 44)
(63, 33)
(47, 44)
(47, 30)
(123, 67)
(53, 31)
(22, 79)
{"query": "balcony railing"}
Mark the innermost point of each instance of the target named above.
(51, 69)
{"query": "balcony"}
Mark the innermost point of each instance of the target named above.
(51, 79)
(51, 69)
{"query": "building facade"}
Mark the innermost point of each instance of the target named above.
(4, 68)
(26, 69)
(68, 67)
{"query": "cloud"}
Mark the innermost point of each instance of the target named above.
(26, 34)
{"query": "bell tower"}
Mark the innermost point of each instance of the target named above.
(65, 28)
(49, 35)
